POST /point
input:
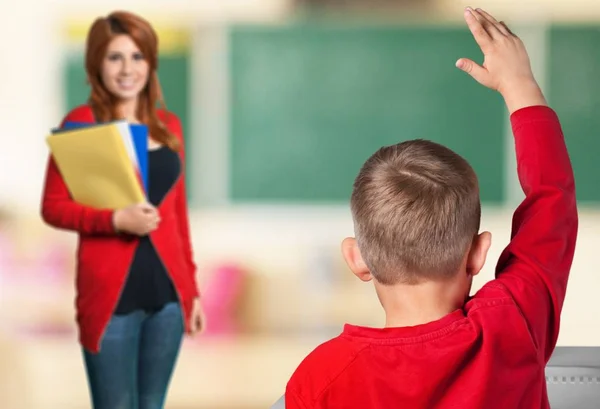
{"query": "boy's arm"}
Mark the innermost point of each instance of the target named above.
(534, 268)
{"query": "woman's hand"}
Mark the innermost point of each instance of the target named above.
(139, 219)
(197, 318)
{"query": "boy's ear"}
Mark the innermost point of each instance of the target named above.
(478, 253)
(354, 259)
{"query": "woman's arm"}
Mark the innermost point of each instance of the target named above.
(182, 209)
(58, 209)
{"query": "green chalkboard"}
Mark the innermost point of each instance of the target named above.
(310, 103)
(574, 92)
(174, 77)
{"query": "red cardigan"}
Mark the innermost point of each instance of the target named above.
(104, 257)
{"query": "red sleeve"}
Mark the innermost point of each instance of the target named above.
(182, 209)
(58, 209)
(535, 266)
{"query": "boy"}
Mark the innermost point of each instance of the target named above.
(416, 214)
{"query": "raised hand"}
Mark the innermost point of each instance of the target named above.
(506, 67)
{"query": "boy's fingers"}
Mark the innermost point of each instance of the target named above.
(482, 38)
(499, 25)
(502, 27)
(489, 23)
(476, 71)
(487, 16)
(508, 30)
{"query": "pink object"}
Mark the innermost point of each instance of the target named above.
(219, 297)
(52, 266)
(7, 260)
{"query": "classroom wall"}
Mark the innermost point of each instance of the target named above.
(32, 83)
(32, 98)
(289, 250)
(538, 10)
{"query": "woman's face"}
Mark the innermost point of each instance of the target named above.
(124, 69)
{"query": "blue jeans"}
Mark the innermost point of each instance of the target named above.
(136, 359)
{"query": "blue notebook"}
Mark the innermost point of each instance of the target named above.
(139, 135)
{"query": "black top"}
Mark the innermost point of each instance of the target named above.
(148, 285)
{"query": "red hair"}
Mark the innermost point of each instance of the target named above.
(103, 103)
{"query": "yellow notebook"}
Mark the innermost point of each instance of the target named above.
(97, 166)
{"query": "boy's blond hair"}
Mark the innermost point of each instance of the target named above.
(416, 211)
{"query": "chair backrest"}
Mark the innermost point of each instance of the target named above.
(573, 378)
(280, 404)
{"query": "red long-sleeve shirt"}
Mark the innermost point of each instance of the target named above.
(104, 257)
(490, 354)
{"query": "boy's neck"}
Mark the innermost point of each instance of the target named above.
(410, 305)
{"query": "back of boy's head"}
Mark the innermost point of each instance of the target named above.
(416, 211)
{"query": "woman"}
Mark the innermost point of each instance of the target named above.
(136, 286)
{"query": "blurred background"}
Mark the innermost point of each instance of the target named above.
(281, 102)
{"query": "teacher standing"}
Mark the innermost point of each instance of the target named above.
(136, 278)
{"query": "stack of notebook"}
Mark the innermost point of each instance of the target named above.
(103, 165)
